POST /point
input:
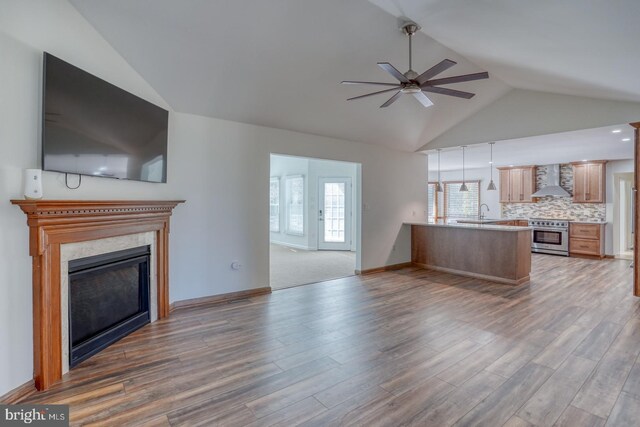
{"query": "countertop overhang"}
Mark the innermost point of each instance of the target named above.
(484, 227)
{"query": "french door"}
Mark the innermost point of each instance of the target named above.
(334, 215)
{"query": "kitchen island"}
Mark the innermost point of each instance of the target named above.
(500, 253)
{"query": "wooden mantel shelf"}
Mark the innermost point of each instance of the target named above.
(56, 222)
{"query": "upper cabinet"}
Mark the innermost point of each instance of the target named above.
(589, 181)
(517, 184)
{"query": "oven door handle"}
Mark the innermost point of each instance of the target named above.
(560, 230)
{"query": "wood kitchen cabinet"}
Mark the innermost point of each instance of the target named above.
(589, 182)
(517, 184)
(586, 239)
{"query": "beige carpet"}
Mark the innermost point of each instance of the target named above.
(294, 267)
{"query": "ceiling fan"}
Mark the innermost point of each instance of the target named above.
(416, 85)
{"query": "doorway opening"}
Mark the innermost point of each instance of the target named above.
(314, 220)
(623, 229)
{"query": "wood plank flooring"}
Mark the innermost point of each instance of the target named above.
(407, 347)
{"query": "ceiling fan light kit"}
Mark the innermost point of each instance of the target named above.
(415, 84)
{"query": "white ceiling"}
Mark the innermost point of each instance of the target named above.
(278, 63)
(588, 144)
(575, 47)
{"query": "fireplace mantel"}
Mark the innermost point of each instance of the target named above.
(56, 222)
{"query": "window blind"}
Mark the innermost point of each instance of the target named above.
(462, 204)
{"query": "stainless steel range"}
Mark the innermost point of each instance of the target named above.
(550, 236)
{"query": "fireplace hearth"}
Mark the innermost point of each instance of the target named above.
(108, 299)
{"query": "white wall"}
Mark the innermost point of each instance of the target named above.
(521, 113)
(221, 168)
(613, 167)
(491, 198)
(392, 190)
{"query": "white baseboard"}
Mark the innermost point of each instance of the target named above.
(294, 246)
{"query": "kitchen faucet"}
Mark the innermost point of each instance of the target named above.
(481, 216)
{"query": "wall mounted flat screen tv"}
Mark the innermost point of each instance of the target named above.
(91, 127)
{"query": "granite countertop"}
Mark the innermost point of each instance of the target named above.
(484, 227)
(487, 220)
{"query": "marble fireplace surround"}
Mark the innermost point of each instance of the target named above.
(60, 230)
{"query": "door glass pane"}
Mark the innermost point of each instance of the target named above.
(334, 212)
(550, 237)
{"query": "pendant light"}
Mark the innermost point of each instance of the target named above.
(491, 186)
(438, 185)
(463, 187)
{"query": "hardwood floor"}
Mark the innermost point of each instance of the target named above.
(406, 347)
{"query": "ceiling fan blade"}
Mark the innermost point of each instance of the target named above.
(435, 70)
(393, 71)
(392, 99)
(450, 92)
(457, 79)
(353, 82)
(420, 96)
(371, 94)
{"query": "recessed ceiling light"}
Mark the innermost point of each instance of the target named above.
(490, 163)
(626, 139)
(510, 166)
(616, 131)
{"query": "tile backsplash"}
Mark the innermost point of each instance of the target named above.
(556, 207)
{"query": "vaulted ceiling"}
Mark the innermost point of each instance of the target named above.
(278, 63)
(573, 47)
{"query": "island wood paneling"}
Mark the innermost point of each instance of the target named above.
(56, 222)
(499, 255)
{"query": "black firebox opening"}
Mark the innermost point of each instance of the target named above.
(108, 299)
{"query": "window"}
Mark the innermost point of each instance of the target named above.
(432, 201)
(461, 204)
(294, 193)
(274, 204)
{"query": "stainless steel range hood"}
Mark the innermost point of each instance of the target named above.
(553, 184)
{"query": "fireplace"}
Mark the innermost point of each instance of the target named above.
(61, 231)
(108, 299)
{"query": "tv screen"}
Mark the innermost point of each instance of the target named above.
(92, 127)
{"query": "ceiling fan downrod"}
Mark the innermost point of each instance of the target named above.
(410, 28)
